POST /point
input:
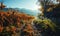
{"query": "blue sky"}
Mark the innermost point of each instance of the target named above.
(28, 4)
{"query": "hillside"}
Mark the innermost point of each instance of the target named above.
(14, 15)
(14, 22)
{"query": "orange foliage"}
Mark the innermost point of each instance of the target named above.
(15, 18)
(13, 28)
(29, 28)
(1, 28)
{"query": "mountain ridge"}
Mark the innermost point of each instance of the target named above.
(24, 10)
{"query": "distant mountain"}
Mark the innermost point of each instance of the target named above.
(30, 12)
(23, 10)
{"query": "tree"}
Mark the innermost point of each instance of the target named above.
(47, 4)
(54, 14)
(2, 5)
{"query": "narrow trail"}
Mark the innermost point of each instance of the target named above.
(36, 32)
